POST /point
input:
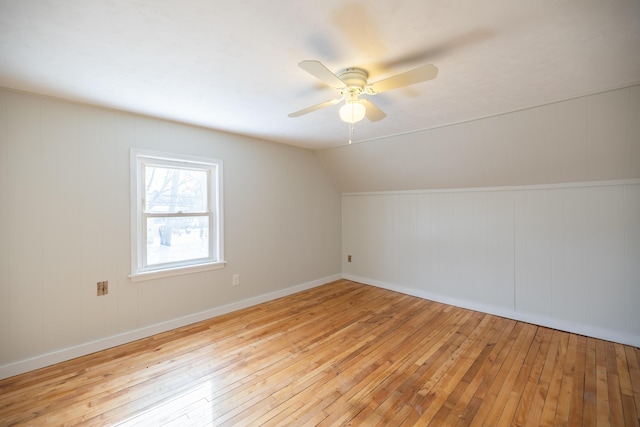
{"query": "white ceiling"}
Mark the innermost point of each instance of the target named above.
(232, 65)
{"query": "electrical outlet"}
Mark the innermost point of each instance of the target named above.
(102, 288)
(348, 258)
(236, 279)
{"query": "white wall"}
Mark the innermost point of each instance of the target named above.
(64, 225)
(565, 256)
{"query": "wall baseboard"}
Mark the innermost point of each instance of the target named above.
(63, 355)
(549, 322)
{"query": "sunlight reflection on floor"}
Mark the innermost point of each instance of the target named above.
(192, 408)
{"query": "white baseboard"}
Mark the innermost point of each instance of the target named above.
(549, 322)
(48, 359)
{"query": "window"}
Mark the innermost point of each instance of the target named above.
(176, 221)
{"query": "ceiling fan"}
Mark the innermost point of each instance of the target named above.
(352, 82)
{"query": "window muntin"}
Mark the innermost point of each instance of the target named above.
(178, 218)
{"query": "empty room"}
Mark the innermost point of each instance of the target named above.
(319, 213)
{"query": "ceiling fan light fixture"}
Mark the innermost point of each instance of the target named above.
(352, 112)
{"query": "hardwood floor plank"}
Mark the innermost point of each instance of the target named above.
(331, 366)
(495, 400)
(448, 375)
(634, 375)
(419, 387)
(626, 388)
(486, 374)
(339, 354)
(429, 345)
(555, 381)
(613, 381)
(477, 376)
(576, 410)
(504, 407)
(529, 408)
(590, 395)
(530, 370)
(603, 413)
(564, 395)
(526, 399)
(477, 358)
(361, 390)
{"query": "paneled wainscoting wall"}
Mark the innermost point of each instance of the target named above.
(566, 257)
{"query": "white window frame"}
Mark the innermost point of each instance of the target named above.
(139, 269)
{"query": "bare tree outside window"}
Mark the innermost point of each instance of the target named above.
(179, 220)
(174, 195)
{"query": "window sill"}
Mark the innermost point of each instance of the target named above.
(177, 271)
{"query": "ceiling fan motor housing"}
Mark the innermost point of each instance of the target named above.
(355, 79)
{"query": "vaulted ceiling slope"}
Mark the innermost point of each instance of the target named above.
(587, 139)
(232, 65)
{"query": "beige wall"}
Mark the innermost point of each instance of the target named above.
(592, 138)
(65, 220)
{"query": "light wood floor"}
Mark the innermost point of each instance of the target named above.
(340, 354)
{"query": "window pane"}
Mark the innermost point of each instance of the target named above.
(177, 239)
(175, 190)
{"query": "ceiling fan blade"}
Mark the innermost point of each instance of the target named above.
(417, 75)
(322, 73)
(315, 107)
(373, 113)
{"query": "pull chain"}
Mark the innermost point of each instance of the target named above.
(350, 132)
